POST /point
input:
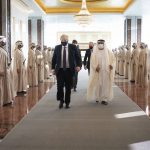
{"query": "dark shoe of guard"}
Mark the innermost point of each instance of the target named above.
(24, 92)
(67, 107)
(60, 105)
(104, 103)
(8, 104)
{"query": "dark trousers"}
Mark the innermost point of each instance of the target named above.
(88, 71)
(64, 79)
(75, 80)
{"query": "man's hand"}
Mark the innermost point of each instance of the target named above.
(78, 69)
(1, 73)
(97, 68)
(53, 72)
(110, 67)
(18, 70)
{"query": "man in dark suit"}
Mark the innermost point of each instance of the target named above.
(65, 62)
(88, 56)
(75, 77)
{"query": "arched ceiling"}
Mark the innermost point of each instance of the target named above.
(94, 6)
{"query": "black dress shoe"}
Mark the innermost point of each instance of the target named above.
(104, 103)
(75, 90)
(24, 92)
(8, 104)
(60, 105)
(67, 107)
(97, 102)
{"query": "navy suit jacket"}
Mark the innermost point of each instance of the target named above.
(73, 58)
(87, 58)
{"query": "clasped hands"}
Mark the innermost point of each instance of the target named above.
(2, 73)
(110, 67)
(98, 68)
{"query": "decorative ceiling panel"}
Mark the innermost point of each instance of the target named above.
(94, 6)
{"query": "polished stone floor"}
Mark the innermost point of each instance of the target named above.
(11, 115)
(141, 96)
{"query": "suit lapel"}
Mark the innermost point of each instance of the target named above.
(59, 53)
(69, 56)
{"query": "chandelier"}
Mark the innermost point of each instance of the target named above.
(83, 17)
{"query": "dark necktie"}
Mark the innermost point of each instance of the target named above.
(64, 58)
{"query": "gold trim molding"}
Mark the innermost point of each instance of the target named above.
(80, 1)
(75, 9)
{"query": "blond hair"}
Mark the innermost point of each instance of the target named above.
(64, 37)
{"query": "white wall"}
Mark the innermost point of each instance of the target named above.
(101, 23)
(133, 30)
(146, 29)
(19, 27)
(144, 11)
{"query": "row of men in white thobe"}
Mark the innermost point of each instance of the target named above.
(133, 65)
(15, 79)
(39, 64)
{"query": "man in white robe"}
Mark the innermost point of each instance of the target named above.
(46, 67)
(49, 59)
(134, 63)
(127, 62)
(148, 52)
(101, 74)
(113, 52)
(6, 80)
(142, 77)
(20, 70)
(40, 64)
(32, 67)
(118, 60)
(122, 61)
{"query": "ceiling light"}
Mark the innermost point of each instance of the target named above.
(83, 17)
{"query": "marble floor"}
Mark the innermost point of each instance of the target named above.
(141, 96)
(11, 115)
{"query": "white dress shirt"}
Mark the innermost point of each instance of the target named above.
(67, 61)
